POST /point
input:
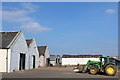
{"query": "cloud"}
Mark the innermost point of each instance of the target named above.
(21, 16)
(29, 6)
(35, 27)
(110, 11)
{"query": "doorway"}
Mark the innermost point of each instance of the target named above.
(33, 61)
(22, 62)
(48, 62)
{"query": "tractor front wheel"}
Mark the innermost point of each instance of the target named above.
(93, 70)
(110, 70)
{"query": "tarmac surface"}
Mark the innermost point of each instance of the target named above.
(53, 72)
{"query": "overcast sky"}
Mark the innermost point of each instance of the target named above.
(67, 28)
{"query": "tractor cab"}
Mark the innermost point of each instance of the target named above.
(108, 65)
(105, 60)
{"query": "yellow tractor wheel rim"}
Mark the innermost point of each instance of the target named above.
(110, 70)
(93, 70)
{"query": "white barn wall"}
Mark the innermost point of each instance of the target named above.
(32, 50)
(36, 54)
(75, 61)
(47, 55)
(3, 55)
(42, 61)
(18, 47)
(8, 59)
(53, 63)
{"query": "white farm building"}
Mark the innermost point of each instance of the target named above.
(78, 59)
(44, 56)
(33, 53)
(55, 60)
(14, 52)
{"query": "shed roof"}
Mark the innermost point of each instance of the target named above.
(41, 50)
(29, 41)
(80, 56)
(6, 38)
(53, 57)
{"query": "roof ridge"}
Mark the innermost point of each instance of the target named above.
(29, 39)
(43, 46)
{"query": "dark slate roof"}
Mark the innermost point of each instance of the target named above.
(53, 57)
(6, 38)
(81, 56)
(42, 50)
(29, 41)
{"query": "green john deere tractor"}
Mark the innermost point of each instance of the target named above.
(105, 65)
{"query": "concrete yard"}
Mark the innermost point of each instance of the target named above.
(53, 72)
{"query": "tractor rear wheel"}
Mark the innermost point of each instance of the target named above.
(93, 70)
(110, 70)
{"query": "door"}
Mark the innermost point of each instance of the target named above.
(22, 62)
(33, 61)
(48, 62)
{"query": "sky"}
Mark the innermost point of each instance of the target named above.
(66, 27)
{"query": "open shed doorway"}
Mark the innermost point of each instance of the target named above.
(22, 61)
(48, 62)
(33, 61)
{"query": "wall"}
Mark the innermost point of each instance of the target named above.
(3, 55)
(32, 50)
(19, 46)
(47, 55)
(75, 61)
(56, 61)
(53, 63)
(42, 61)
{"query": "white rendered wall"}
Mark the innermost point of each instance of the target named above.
(18, 47)
(42, 61)
(3, 55)
(8, 59)
(32, 50)
(47, 55)
(75, 61)
(53, 63)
